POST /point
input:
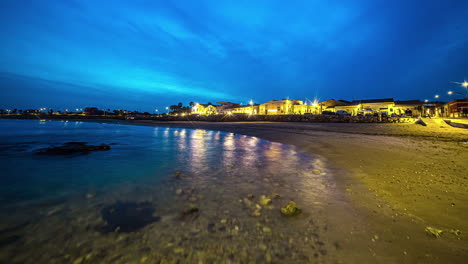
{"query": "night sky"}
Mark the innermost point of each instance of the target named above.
(142, 55)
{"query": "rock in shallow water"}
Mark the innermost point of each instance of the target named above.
(290, 209)
(127, 216)
(72, 148)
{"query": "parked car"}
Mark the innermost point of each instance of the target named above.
(328, 113)
(343, 113)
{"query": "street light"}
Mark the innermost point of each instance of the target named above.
(426, 101)
(463, 84)
(436, 96)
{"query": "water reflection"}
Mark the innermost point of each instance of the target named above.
(224, 177)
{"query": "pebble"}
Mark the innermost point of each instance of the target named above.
(78, 260)
(266, 229)
(316, 172)
(256, 213)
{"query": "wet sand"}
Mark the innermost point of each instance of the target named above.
(399, 179)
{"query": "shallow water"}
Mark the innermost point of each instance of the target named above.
(56, 209)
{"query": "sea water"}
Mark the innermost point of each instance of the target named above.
(207, 192)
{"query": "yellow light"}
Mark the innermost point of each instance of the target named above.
(450, 92)
(465, 84)
(436, 96)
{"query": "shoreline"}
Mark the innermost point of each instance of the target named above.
(401, 178)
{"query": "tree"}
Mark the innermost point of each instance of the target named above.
(179, 105)
(14, 111)
(191, 104)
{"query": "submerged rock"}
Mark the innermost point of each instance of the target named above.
(127, 216)
(316, 172)
(72, 148)
(257, 212)
(265, 200)
(190, 214)
(179, 175)
(291, 209)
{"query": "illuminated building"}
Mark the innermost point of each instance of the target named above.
(458, 108)
(204, 109)
(287, 107)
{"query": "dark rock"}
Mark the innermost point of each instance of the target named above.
(179, 175)
(72, 148)
(211, 227)
(190, 214)
(127, 216)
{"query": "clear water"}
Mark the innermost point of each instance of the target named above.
(50, 206)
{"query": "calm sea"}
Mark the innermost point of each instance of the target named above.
(160, 194)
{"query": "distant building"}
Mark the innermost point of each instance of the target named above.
(362, 107)
(458, 108)
(436, 108)
(246, 109)
(415, 107)
(286, 107)
(225, 107)
(204, 109)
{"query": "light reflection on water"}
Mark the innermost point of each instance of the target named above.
(220, 170)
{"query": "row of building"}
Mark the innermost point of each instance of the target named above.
(387, 106)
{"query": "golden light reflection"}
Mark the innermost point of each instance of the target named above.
(198, 149)
(229, 149)
(182, 142)
(250, 146)
(274, 151)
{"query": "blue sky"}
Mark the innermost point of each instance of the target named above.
(142, 55)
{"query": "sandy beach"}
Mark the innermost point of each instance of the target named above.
(399, 179)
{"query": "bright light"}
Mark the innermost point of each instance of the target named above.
(464, 84)
(251, 102)
(426, 101)
(450, 92)
(436, 96)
